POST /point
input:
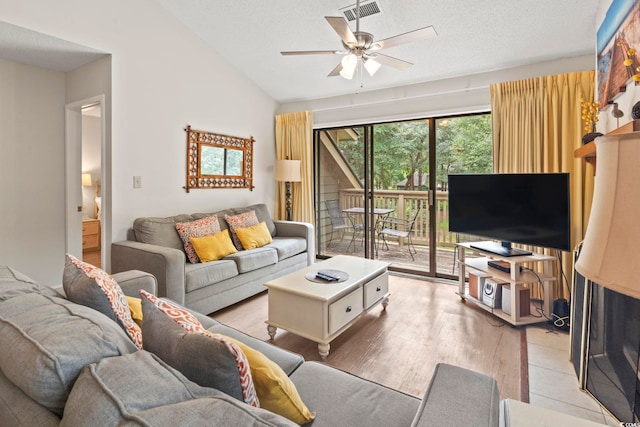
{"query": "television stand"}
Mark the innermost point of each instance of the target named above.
(499, 249)
(517, 278)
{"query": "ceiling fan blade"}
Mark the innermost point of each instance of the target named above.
(335, 71)
(391, 61)
(341, 27)
(411, 36)
(312, 52)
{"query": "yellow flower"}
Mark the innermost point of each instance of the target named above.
(627, 62)
(631, 51)
(636, 77)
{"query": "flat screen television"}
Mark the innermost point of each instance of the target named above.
(526, 208)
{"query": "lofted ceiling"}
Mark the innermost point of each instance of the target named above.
(473, 36)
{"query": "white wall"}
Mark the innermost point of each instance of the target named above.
(32, 220)
(458, 95)
(162, 78)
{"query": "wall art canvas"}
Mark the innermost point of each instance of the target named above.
(618, 38)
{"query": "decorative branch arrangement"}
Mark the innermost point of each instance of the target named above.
(218, 161)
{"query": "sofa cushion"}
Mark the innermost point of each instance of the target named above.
(160, 231)
(242, 220)
(255, 236)
(14, 283)
(198, 228)
(288, 246)
(262, 213)
(343, 399)
(45, 342)
(274, 388)
(213, 247)
(206, 274)
(18, 409)
(478, 391)
(254, 259)
(190, 324)
(140, 389)
(202, 360)
(89, 285)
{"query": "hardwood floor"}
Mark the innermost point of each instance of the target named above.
(425, 323)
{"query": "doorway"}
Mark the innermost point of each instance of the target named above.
(84, 164)
(381, 189)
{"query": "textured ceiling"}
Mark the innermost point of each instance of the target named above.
(473, 36)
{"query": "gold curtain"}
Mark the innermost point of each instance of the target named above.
(537, 125)
(294, 141)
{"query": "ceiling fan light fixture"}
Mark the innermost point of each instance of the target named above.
(372, 66)
(349, 63)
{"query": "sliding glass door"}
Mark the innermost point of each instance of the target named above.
(381, 189)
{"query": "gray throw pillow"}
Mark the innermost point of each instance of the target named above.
(46, 341)
(204, 361)
(91, 286)
(14, 283)
(141, 389)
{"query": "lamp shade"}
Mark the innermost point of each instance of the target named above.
(86, 180)
(288, 170)
(611, 248)
(349, 64)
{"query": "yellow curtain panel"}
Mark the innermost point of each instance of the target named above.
(537, 126)
(294, 141)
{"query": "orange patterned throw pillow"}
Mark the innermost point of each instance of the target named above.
(191, 324)
(243, 220)
(199, 228)
(91, 286)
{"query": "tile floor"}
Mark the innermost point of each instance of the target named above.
(552, 381)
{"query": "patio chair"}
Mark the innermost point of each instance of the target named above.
(342, 221)
(399, 229)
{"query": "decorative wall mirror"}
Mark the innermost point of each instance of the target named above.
(218, 161)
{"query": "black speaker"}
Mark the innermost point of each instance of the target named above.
(560, 317)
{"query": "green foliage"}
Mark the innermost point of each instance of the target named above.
(463, 145)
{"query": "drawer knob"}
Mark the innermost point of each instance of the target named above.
(378, 289)
(349, 309)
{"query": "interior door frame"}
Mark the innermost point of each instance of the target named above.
(73, 172)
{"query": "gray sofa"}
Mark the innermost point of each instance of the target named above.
(154, 246)
(77, 367)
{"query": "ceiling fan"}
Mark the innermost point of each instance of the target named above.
(361, 47)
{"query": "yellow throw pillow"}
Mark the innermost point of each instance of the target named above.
(214, 246)
(275, 390)
(135, 307)
(255, 236)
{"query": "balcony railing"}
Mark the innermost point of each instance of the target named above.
(405, 204)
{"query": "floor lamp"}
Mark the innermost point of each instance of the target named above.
(288, 171)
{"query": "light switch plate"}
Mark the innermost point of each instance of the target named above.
(137, 182)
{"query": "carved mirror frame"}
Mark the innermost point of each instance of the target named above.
(218, 161)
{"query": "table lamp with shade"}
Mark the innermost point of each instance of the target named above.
(288, 171)
(611, 248)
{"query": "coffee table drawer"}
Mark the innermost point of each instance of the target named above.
(345, 310)
(375, 290)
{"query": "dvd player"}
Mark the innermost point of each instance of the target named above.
(500, 265)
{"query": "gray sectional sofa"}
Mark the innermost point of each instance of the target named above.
(154, 246)
(77, 367)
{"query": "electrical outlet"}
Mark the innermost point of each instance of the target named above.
(137, 182)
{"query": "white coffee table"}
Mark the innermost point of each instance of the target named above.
(322, 311)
